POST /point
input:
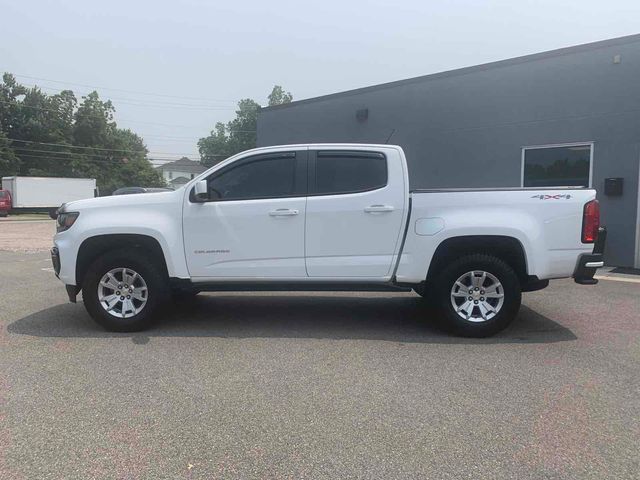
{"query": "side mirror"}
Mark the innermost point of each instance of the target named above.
(200, 191)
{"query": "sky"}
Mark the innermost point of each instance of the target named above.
(174, 69)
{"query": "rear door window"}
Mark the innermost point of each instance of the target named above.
(349, 172)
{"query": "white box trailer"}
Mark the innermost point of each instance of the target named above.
(47, 193)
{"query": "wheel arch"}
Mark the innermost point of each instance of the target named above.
(92, 247)
(508, 249)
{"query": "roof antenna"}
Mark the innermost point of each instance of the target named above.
(390, 135)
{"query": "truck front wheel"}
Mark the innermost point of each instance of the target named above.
(123, 290)
(478, 295)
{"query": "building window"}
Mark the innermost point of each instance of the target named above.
(557, 165)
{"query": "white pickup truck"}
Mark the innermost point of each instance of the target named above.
(325, 217)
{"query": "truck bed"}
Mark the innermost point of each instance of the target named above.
(547, 223)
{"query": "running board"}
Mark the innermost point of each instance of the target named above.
(296, 287)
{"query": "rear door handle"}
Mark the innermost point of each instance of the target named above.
(283, 212)
(379, 208)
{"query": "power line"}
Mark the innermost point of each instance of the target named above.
(120, 90)
(172, 137)
(95, 160)
(61, 153)
(142, 105)
(45, 155)
(146, 102)
(22, 105)
(43, 109)
(90, 156)
(109, 149)
(151, 103)
(85, 156)
(66, 145)
(58, 161)
(176, 106)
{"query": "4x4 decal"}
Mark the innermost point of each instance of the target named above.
(553, 197)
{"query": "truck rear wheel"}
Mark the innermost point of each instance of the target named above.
(123, 290)
(478, 295)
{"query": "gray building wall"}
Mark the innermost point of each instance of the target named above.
(466, 128)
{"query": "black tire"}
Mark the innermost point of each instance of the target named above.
(510, 289)
(147, 268)
(428, 297)
(183, 296)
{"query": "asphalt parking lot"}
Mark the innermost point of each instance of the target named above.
(315, 386)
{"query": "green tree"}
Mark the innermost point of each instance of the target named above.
(130, 164)
(239, 134)
(215, 147)
(51, 135)
(116, 157)
(278, 96)
(93, 121)
(9, 163)
(10, 91)
(36, 121)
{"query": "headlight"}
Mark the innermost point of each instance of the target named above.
(66, 220)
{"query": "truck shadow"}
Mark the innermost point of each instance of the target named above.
(390, 318)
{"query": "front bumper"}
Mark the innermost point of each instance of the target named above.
(55, 260)
(588, 263)
(72, 290)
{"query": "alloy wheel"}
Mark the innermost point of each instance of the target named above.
(477, 296)
(122, 292)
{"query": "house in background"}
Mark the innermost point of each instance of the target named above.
(180, 172)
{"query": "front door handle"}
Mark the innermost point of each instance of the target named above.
(283, 212)
(379, 209)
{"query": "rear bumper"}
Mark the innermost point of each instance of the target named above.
(588, 263)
